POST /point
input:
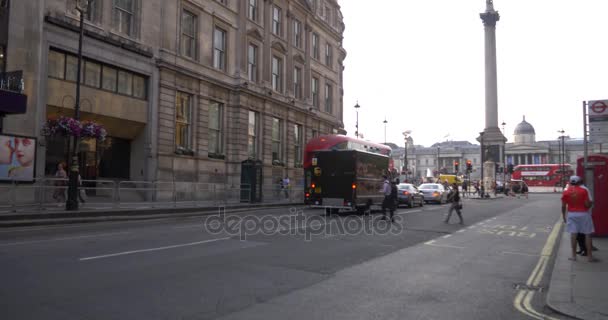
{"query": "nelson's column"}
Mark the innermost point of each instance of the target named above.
(491, 139)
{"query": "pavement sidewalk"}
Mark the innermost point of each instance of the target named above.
(578, 288)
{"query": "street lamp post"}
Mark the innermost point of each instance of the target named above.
(504, 157)
(438, 156)
(72, 201)
(562, 156)
(385, 122)
(405, 162)
(357, 106)
(482, 187)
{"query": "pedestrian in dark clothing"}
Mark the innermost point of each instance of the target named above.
(390, 198)
(456, 205)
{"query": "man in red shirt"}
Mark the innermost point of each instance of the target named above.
(575, 212)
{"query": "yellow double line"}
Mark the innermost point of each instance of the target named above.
(523, 299)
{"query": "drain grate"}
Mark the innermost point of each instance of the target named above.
(523, 286)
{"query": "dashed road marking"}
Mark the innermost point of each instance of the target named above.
(447, 236)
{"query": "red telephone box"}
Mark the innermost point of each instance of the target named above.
(596, 179)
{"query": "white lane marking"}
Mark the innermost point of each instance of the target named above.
(461, 230)
(447, 236)
(152, 249)
(471, 227)
(443, 245)
(430, 242)
(62, 239)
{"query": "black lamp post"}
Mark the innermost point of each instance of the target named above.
(357, 106)
(504, 157)
(72, 201)
(405, 136)
(482, 185)
(562, 156)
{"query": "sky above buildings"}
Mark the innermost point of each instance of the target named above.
(420, 64)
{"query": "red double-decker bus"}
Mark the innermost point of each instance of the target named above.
(543, 175)
(334, 157)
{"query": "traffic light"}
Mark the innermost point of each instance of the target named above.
(469, 166)
(456, 166)
(510, 168)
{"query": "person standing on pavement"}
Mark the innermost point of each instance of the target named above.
(575, 213)
(456, 205)
(389, 198)
(286, 185)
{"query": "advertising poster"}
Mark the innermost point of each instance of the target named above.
(17, 158)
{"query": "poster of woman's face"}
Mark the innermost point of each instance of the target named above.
(17, 158)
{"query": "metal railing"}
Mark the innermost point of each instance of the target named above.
(50, 194)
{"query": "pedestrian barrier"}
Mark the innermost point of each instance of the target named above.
(51, 193)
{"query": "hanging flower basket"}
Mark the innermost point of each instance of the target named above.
(66, 126)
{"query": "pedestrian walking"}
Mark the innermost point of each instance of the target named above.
(575, 213)
(286, 183)
(60, 183)
(465, 188)
(524, 190)
(389, 191)
(456, 205)
(580, 237)
(477, 190)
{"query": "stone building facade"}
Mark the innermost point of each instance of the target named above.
(187, 89)
(523, 150)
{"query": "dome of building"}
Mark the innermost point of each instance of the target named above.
(524, 128)
(524, 133)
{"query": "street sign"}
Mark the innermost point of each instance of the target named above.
(598, 121)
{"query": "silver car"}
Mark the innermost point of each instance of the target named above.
(434, 192)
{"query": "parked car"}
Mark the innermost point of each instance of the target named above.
(434, 192)
(408, 194)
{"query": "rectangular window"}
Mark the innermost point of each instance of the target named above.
(276, 140)
(297, 144)
(139, 87)
(188, 40)
(183, 105)
(219, 49)
(252, 63)
(123, 11)
(252, 11)
(56, 64)
(252, 133)
(71, 67)
(109, 78)
(328, 98)
(92, 74)
(276, 21)
(315, 46)
(92, 12)
(215, 128)
(277, 71)
(297, 82)
(315, 133)
(328, 55)
(125, 82)
(297, 33)
(315, 92)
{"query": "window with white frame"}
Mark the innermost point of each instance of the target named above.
(297, 144)
(252, 10)
(315, 46)
(93, 11)
(277, 140)
(216, 116)
(277, 71)
(315, 92)
(328, 98)
(277, 21)
(252, 62)
(252, 133)
(183, 107)
(297, 33)
(188, 39)
(219, 48)
(297, 82)
(124, 16)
